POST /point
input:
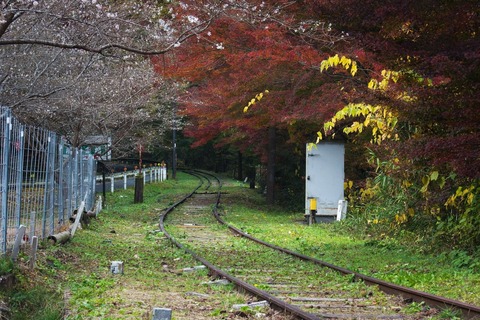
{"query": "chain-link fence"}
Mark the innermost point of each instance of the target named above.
(43, 180)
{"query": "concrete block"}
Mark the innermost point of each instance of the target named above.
(196, 294)
(116, 267)
(162, 314)
(195, 268)
(260, 304)
(218, 282)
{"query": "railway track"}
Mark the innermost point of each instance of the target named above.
(297, 285)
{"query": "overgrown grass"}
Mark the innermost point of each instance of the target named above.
(388, 258)
(73, 281)
(77, 276)
(28, 299)
(152, 266)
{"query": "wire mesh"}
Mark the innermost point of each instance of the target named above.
(43, 180)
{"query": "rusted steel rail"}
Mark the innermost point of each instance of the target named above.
(274, 301)
(469, 311)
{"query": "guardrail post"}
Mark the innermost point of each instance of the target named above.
(89, 180)
(163, 171)
(313, 211)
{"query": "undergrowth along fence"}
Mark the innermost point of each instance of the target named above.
(43, 180)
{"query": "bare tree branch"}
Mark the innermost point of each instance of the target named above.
(103, 49)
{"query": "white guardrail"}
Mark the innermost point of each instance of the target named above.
(153, 174)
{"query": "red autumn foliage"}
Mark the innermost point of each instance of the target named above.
(435, 43)
(236, 60)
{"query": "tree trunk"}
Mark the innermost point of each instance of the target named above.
(252, 176)
(271, 165)
(240, 166)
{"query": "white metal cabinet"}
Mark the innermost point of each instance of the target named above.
(324, 179)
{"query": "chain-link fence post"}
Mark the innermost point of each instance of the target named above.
(5, 147)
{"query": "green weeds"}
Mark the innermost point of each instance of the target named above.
(35, 303)
(6, 266)
(130, 233)
(387, 257)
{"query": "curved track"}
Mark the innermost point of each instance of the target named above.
(301, 292)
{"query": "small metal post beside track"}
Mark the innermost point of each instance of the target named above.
(313, 211)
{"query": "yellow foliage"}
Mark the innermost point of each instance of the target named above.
(406, 97)
(257, 98)
(401, 218)
(348, 185)
(387, 76)
(319, 136)
(411, 212)
(379, 118)
(335, 61)
(406, 183)
(310, 146)
(368, 193)
(461, 195)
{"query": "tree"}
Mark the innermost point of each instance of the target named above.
(259, 56)
(97, 26)
(437, 66)
(420, 63)
(78, 67)
(414, 74)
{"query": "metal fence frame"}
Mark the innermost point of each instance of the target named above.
(42, 180)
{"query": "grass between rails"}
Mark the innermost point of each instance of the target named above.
(394, 260)
(73, 281)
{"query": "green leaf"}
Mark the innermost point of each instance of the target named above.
(442, 181)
